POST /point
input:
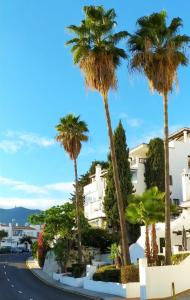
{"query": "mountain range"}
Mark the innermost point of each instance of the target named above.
(16, 215)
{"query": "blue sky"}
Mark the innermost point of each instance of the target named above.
(39, 84)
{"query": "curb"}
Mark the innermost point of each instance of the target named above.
(60, 288)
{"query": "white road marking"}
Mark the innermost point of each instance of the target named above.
(12, 285)
(8, 279)
(5, 273)
(20, 292)
(4, 267)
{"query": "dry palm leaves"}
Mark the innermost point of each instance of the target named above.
(99, 71)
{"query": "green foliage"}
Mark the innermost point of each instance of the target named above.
(26, 239)
(178, 258)
(148, 208)
(158, 50)
(5, 250)
(129, 274)
(95, 34)
(97, 238)
(3, 234)
(34, 249)
(62, 249)
(71, 133)
(110, 273)
(107, 273)
(110, 201)
(78, 270)
(154, 166)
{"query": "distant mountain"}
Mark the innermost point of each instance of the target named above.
(16, 215)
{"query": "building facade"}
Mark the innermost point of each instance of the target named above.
(179, 157)
(94, 197)
(16, 232)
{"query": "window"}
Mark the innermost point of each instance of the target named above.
(134, 175)
(189, 161)
(176, 201)
(171, 180)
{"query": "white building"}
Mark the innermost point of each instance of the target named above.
(16, 232)
(179, 156)
(179, 159)
(94, 196)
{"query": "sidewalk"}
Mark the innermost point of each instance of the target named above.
(35, 269)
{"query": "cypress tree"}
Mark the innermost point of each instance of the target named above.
(154, 166)
(110, 203)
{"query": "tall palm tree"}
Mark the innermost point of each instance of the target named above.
(157, 51)
(71, 133)
(97, 55)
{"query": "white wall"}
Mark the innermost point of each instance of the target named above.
(94, 196)
(178, 158)
(156, 282)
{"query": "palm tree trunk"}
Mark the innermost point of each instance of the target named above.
(78, 216)
(124, 238)
(167, 186)
(154, 245)
(147, 244)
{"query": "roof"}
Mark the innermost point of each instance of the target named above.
(179, 133)
(140, 150)
(23, 227)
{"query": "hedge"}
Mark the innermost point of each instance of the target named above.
(177, 258)
(112, 274)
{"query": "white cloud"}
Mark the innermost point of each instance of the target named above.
(14, 141)
(10, 146)
(32, 203)
(60, 187)
(35, 189)
(132, 122)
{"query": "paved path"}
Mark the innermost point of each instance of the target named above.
(18, 283)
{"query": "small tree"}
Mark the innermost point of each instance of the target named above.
(154, 166)
(147, 209)
(110, 201)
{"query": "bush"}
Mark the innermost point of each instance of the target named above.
(129, 274)
(5, 250)
(177, 258)
(160, 260)
(107, 274)
(78, 270)
(112, 274)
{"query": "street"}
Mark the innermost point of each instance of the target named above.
(17, 282)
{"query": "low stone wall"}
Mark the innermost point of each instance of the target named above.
(128, 290)
(156, 282)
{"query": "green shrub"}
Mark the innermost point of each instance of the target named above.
(107, 273)
(78, 270)
(177, 258)
(111, 274)
(129, 274)
(160, 260)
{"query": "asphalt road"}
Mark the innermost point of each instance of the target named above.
(18, 283)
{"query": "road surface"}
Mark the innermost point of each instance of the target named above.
(18, 283)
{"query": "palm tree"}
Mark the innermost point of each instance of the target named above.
(147, 209)
(157, 51)
(97, 55)
(71, 133)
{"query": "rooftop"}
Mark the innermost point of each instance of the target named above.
(177, 135)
